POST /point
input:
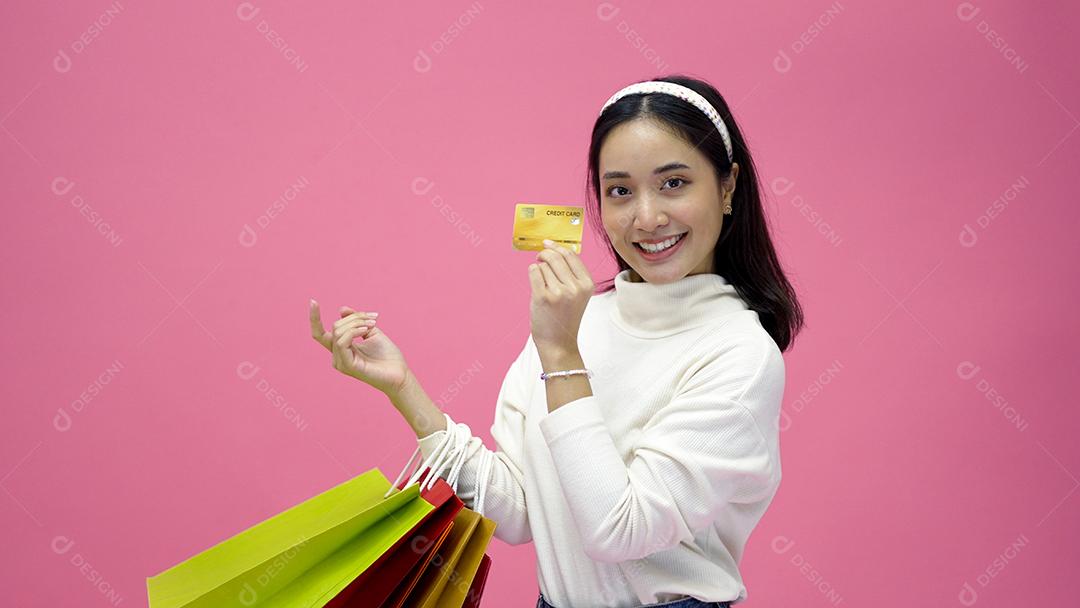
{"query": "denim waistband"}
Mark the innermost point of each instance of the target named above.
(686, 602)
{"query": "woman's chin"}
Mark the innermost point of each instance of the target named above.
(659, 276)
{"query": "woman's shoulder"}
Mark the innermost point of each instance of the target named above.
(738, 343)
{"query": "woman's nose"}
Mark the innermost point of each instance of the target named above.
(649, 216)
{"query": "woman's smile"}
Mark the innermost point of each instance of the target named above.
(661, 254)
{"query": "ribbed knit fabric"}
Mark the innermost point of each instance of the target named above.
(648, 490)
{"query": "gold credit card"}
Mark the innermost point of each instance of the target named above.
(561, 223)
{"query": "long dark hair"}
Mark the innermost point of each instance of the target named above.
(744, 253)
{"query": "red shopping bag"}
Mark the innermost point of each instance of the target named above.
(472, 598)
(450, 569)
(400, 567)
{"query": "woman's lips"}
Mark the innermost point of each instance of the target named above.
(653, 257)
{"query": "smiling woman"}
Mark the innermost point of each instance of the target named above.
(648, 212)
(661, 166)
(637, 431)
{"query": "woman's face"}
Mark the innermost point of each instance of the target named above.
(653, 186)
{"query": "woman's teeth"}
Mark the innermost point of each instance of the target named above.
(660, 246)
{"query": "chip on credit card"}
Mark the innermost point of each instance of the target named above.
(533, 223)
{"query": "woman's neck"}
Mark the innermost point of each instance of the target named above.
(653, 310)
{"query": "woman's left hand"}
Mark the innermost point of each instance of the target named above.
(561, 288)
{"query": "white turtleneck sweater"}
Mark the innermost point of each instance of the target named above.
(647, 490)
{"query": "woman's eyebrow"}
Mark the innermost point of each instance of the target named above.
(656, 171)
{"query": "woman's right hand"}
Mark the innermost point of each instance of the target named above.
(375, 360)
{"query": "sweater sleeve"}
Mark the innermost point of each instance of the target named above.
(505, 500)
(701, 451)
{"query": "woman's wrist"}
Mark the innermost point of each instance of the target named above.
(419, 411)
(555, 358)
(564, 389)
(407, 381)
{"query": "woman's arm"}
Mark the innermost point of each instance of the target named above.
(417, 408)
(505, 501)
(564, 389)
(703, 450)
(378, 361)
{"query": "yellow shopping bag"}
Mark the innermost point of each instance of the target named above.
(301, 557)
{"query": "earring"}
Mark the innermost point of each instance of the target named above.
(727, 208)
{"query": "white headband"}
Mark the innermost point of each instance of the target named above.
(684, 93)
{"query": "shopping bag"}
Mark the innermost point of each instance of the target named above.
(397, 598)
(402, 564)
(345, 569)
(301, 557)
(446, 582)
(476, 590)
(449, 581)
(392, 583)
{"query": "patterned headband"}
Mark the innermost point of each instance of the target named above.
(684, 93)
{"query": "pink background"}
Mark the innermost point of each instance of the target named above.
(929, 445)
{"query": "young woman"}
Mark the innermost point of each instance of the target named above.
(640, 472)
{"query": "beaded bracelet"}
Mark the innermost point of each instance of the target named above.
(568, 372)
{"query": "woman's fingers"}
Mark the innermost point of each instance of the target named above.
(343, 344)
(352, 325)
(577, 266)
(536, 278)
(574, 266)
(345, 311)
(317, 330)
(550, 280)
(345, 339)
(557, 263)
(350, 317)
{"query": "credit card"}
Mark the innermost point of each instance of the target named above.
(561, 223)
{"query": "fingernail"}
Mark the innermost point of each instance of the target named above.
(549, 242)
(374, 314)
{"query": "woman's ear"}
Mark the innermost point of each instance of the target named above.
(729, 182)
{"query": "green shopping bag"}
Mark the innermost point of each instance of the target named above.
(301, 557)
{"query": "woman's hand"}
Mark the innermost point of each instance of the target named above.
(561, 288)
(375, 360)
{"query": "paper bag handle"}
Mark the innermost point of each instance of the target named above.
(450, 452)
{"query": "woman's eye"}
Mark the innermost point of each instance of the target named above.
(611, 190)
(679, 179)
